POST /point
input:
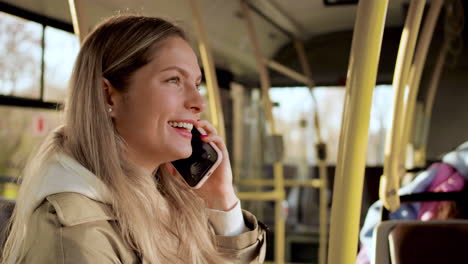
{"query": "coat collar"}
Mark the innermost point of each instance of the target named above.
(65, 174)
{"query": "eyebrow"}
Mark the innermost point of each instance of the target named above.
(177, 68)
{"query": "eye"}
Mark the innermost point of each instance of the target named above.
(198, 86)
(174, 80)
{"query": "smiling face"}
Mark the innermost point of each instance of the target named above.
(161, 95)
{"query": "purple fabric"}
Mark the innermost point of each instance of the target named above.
(447, 179)
(362, 257)
(458, 159)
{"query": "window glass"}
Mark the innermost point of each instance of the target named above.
(204, 93)
(61, 49)
(294, 117)
(20, 56)
(21, 131)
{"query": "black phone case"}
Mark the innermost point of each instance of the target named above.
(195, 167)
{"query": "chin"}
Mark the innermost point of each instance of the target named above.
(182, 153)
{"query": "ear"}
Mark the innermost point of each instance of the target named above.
(111, 96)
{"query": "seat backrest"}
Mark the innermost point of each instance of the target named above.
(414, 241)
(380, 236)
(429, 242)
(6, 210)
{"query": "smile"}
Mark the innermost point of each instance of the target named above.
(183, 125)
(183, 128)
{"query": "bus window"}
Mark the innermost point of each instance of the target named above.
(20, 59)
(295, 104)
(21, 131)
(60, 51)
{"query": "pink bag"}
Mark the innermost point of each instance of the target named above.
(446, 180)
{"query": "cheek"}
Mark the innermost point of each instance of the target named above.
(132, 118)
(166, 103)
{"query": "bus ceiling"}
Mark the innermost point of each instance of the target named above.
(324, 26)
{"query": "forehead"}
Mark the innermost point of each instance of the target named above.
(175, 51)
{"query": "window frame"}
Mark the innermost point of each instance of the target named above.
(45, 21)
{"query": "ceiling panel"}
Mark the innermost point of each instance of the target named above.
(224, 22)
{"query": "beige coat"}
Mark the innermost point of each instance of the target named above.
(72, 228)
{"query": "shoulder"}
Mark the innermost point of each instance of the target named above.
(75, 209)
(71, 228)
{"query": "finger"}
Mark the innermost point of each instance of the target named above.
(218, 140)
(207, 126)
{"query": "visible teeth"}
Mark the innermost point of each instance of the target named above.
(185, 125)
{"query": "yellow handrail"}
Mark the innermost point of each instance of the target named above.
(321, 154)
(80, 25)
(454, 21)
(416, 72)
(389, 183)
(349, 177)
(434, 83)
(214, 99)
(314, 183)
(278, 165)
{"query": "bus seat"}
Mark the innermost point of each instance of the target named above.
(429, 242)
(382, 250)
(6, 210)
(413, 241)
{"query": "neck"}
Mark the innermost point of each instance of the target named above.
(148, 166)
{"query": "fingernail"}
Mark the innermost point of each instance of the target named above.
(203, 136)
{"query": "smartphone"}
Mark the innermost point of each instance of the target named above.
(205, 158)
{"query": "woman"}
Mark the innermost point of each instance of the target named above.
(101, 188)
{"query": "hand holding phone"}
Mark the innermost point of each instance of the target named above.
(205, 158)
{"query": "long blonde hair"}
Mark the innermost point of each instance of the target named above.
(161, 219)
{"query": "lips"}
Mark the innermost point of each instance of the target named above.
(183, 132)
(181, 124)
(182, 127)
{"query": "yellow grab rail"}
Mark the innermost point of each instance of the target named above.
(262, 196)
(349, 177)
(214, 99)
(434, 83)
(80, 25)
(416, 71)
(278, 165)
(389, 183)
(454, 21)
(314, 183)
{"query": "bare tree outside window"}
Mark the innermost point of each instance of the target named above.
(23, 129)
(20, 59)
(295, 104)
(61, 49)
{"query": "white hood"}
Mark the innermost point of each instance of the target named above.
(65, 174)
(459, 159)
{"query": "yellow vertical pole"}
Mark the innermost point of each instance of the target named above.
(434, 83)
(323, 220)
(299, 46)
(349, 177)
(453, 12)
(416, 71)
(277, 166)
(237, 94)
(214, 99)
(389, 183)
(80, 23)
(10, 190)
(321, 151)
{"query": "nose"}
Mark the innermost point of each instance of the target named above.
(195, 101)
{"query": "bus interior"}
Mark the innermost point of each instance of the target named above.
(326, 106)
